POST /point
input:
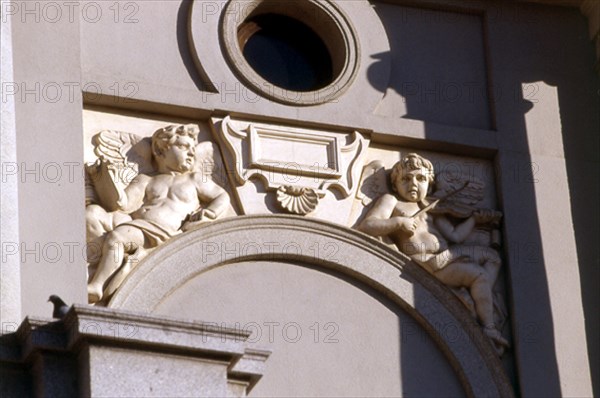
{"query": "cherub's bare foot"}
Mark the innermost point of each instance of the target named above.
(94, 293)
(500, 343)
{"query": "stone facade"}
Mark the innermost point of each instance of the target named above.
(417, 219)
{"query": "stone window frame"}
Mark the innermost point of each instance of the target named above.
(325, 18)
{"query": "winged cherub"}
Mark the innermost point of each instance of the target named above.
(154, 207)
(433, 241)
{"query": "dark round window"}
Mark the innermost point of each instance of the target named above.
(285, 52)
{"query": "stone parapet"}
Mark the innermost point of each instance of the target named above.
(107, 352)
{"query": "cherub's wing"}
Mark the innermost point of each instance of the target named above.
(464, 202)
(209, 162)
(373, 182)
(121, 157)
(121, 148)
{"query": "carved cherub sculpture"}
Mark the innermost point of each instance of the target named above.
(443, 241)
(144, 194)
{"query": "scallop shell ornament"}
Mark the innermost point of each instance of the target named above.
(297, 200)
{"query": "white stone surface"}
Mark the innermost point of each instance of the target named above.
(10, 264)
(48, 119)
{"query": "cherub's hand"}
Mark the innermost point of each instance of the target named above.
(407, 224)
(198, 219)
(203, 215)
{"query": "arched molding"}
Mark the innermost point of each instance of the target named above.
(332, 247)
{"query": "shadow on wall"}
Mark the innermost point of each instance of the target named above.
(319, 348)
(184, 46)
(579, 102)
(438, 67)
(442, 69)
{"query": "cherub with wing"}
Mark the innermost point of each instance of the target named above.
(145, 193)
(443, 240)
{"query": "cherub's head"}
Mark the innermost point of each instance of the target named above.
(412, 177)
(174, 147)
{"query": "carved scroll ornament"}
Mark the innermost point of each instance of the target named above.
(290, 160)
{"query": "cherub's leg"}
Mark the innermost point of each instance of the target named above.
(491, 263)
(476, 279)
(489, 259)
(486, 257)
(97, 222)
(124, 239)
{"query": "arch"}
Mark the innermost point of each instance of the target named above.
(330, 247)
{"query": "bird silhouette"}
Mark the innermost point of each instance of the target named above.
(60, 307)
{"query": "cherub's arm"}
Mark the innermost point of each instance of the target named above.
(379, 220)
(133, 196)
(209, 192)
(458, 233)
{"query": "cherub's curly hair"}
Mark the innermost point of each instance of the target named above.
(166, 136)
(412, 161)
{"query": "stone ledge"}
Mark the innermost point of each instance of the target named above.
(97, 333)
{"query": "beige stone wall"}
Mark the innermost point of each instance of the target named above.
(511, 87)
(327, 336)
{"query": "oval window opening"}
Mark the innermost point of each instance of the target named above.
(286, 52)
